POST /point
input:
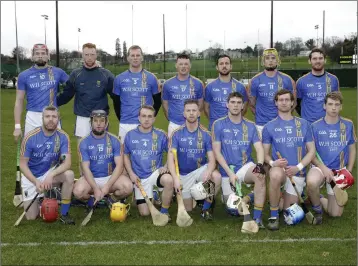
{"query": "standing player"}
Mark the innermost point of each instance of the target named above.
(135, 87)
(179, 88)
(195, 158)
(313, 87)
(41, 149)
(144, 147)
(233, 136)
(40, 84)
(335, 143)
(262, 88)
(216, 92)
(102, 164)
(292, 138)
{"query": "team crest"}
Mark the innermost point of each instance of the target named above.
(135, 80)
(183, 88)
(98, 83)
(42, 76)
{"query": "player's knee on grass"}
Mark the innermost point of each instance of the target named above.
(80, 191)
(33, 211)
(142, 207)
(334, 210)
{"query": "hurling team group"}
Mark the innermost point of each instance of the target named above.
(311, 151)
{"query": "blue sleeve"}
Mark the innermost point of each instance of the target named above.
(26, 149)
(165, 93)
(266, 138)
(252, 88)
(298, 88)
(83, 152)
(200, 87)
(21, 82)
(63, 76)
(208, 143)
(165, 143)
(110, 83)
(207, 94)
(352, 135)
(309, 135)
(65, 144)
(68, 91)
(255, 137)
(154, 84)
(243, 92)
(174, 141)
(116, 147)
(117, 86)
(216, 130)
(127, 148)
(335, 84)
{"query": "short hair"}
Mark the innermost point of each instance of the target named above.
(134, 47)
(191, 101)
(316, 50)
(148, 107)
(50, 108)
(235, 94)
(283, 92)
(334, 95)
(222, 56)
(89, 45)
(183, 56)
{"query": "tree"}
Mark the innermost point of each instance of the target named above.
(258, 48)
(22, 53)
(278, 46)
(310, 44)
(248, 50)
(118, 50)
(125, 51)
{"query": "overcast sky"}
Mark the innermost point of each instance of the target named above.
(229, 23)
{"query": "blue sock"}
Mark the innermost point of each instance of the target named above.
(90, 202)
(274, 211)
(257, 212)
(206, 205)
(65, 206)
(164, 209)
(317, 209)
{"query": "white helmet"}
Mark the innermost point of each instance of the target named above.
(234, 205)
(202, 190)
(294, 214)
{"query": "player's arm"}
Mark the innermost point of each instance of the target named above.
(201, 96)
(298, 97)
(352, 157)
(19, 105)
(157, 102)
(220, 158)
(63, 167)
(88, 174)
(118, 160)
(260, 155)
(68, 91)
(251, 96)
(110, 83)
(267, 153)
(311, 151)
(211, 161)
(128, 165)
(207, 109)
(24, 167)
(116, 97)
(156, 93)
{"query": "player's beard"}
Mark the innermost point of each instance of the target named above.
(50, 128)
(98, 133)
(225, 74)
(40, 63)
(317, 69)
(234, 114)
(270, 68)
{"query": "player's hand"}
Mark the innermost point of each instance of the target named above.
(38, 185)
(134, 178)
(17, 134)
(233, 179)
(47, 183)
(206, 175)
(259, 171)
(97, 194)
(292, 170)
(280, 163)
(105, 190)
(327, 173)
(163, 170)
(177, 187)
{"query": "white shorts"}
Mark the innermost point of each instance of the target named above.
(82, 126)
(225, 184)
(189, 180)
(147, 185)
(300, 184)
(171, 127)
(101, 181)
(34, 120)
(328, 186)
(123, 130)
(259, 130)
(29, 188)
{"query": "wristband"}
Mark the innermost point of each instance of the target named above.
(17, 126)
(271, 163)
(300, 166)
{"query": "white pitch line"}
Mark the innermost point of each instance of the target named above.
(179, 242)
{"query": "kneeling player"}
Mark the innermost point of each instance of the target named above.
(41, 151)
(335, 143)
(102, 163)
(144, 147)
(195, 158)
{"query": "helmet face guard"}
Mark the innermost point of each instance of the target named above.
(234, 205)
(269, 51)
(294, 214)
(119, 212)
(202, 190)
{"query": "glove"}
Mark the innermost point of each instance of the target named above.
(259, 169)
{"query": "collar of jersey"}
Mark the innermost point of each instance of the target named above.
(242, 120)
(324, 73)
(150, 132)
(176, 76)
(196, 130)
(279, 118)
(324, 121)
(136, 72)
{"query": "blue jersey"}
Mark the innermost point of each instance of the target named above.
(216, 93)
(289, 138)
(192, 148)
(41, 86)
(264, 88)
(100, 152)
(145, 150)
(176, 92)
(44, 151)
(312, 90)
(135, 90)
(236, 140)
(333, 140)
